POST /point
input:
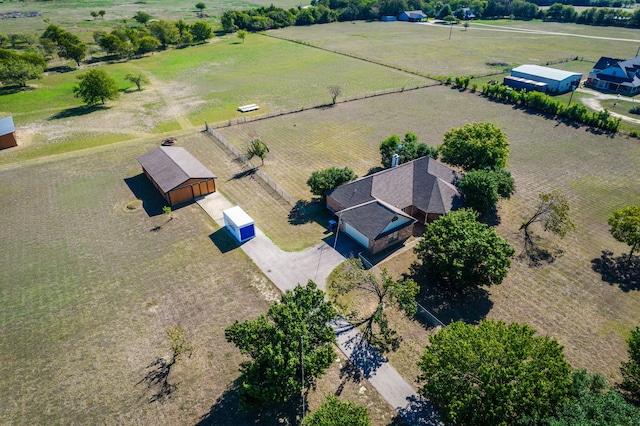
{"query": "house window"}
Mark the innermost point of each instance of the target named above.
(392, 237)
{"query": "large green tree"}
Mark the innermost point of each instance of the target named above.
(407, 149)
(18, 68)
(322, 181)
(493, 373)
(482, 189)
(475, 146)
(165, 31)
(96, 86)
(459, 253)
(201, 31)
(333, 412)
(275, 342)
(631, 369)
(69, 46)
(590, 403)
(625, 226)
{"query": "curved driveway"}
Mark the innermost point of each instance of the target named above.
(287, 269)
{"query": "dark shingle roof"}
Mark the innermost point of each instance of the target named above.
(605, 62)
(171, 166)
(424, 183)
(371, 218)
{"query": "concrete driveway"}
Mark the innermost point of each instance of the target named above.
(287, 269)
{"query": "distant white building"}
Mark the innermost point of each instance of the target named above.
(557, 81)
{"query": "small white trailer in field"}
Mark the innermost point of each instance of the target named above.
(239, 224)
(248, 108)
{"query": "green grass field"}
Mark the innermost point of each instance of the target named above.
(428, 48)
(87, 290)
(76, 14)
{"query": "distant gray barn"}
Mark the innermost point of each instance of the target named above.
(557, 81)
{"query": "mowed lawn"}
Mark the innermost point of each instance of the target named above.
(565, 299)
(90, 286)
(428, 48)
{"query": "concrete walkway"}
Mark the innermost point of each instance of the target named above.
(286, 270)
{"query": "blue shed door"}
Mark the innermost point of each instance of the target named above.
(247, 232)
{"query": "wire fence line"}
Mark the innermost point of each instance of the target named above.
(278, 113)
(242, 157)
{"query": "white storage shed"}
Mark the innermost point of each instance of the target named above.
(239, 224)
(558, 81)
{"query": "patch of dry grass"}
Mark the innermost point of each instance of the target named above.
(89, 290)
(567, 299)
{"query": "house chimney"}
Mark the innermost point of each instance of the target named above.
(395, 160)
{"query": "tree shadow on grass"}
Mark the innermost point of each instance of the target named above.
(77, 111)
(535, 253)
(226, 411)
(247, 173)
(10, 90)
(471, 306)
(305, 211)
(363, 355)
(620, 270)
(143, 189)
(60, 69)
(157, 380)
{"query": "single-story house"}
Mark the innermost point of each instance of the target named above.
(557, 81)
(379, 210)
(467, 14)
(177, 174)
(7, 133)
(616, 75)
(412, 16)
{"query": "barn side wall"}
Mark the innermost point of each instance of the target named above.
(8, 141)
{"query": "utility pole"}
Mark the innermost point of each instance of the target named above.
(304, 409)
(450, 29)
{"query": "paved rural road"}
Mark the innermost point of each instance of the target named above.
(286, 270)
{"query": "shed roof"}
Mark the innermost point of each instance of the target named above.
(238, 216)
(7, 126)
(171, 166)
(546, 72)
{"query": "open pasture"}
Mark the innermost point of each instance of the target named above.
(566, 299)
(91, 279)
(428, 48)
(188, 87)
(75, 15)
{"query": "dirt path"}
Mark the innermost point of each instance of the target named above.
(594, 103)
(174, 107)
